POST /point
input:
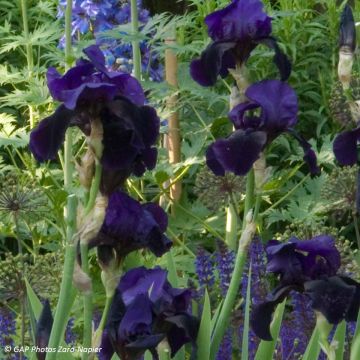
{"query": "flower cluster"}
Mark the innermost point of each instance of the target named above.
(236, 30)
(7, 331)
(145, 311)
(308, 267)
(99, 16)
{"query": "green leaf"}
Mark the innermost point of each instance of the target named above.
(355, 346)
(339, 339)
(313, 348)
(245, 340)
(172, 275)
(204, 335)
(34, 301)
(266, 349)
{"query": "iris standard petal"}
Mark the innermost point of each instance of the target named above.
(142, 281)
(345, 147)
(332, 297)
(96, 57)
(278, 103)
(241, 20)
(48, 136)
(235, 154)
(215, 60)
(322, 256)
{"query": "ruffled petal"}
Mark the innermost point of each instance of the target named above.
(240, 21)
(345, 147)
(332, 297)
(261, 314)
(278, 102)
(235, 154)
(46, 139)
(216, 59)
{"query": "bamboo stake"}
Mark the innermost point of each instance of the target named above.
(173, 139)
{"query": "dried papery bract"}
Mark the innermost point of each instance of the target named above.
(86, 168)
(81, 280)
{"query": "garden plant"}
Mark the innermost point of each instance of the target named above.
(179, 180)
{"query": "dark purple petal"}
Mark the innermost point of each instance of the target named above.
(345, 147)
(239, 21)
(280, 59)
(236, 154)
(137, 318)
(185, 330)
(149, 125)
(46, 139)
(278, 102)
(237, 116)
(127, 86)
(107, 351)
(146, 160)
(139, 281)
(214, 61)
(43, 329)
(284, 261)
(322, 256)
(347, 29)
(158, 214)
(333, 297)
(96, 57)
(309, 153)
(261, 314)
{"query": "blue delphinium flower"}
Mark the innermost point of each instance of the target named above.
(235, 30)
(278, 104)
(98, 16)
(224, 259)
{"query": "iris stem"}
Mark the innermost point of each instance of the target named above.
(94, 188)
(84, 251)
(357, 232)
(87, 330)
(231, 295)
(65, 298)
(135, 43)
(66, 289)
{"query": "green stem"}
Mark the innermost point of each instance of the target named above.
(135, 43)
(357, 232)
(84, 250)
(66, 289)
(94, 188)
(231, 226)
(231, 295)
(65, 297)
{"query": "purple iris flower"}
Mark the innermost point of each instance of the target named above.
(89, 91)
(308, 267)
(278, 107)
(130, 226)
(146, 310)
(235, 30)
